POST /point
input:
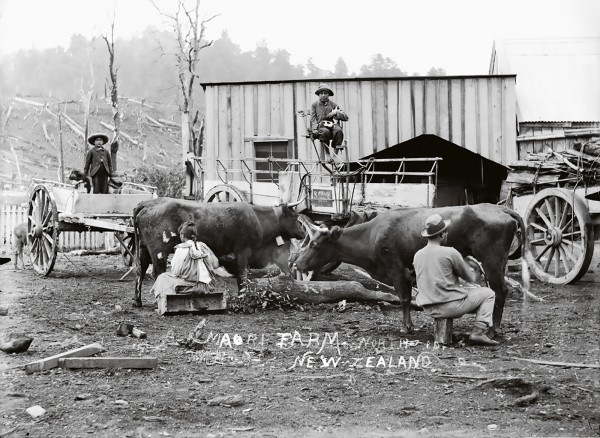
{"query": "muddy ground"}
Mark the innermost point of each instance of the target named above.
(384, 383)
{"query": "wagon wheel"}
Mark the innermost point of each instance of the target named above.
(42, 227)
(560, 236)
(225, 193)
(301, 244)
(128, 256)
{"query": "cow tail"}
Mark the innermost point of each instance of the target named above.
(136, 232)
(525, 276)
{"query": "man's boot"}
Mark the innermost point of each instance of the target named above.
(479, 336)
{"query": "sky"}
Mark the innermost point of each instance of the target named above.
(456, 35)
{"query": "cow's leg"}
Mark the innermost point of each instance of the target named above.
(242, 268)
(403, 288)
(495, 272)
(142, 261)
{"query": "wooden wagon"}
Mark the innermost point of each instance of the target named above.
(561, 214)
(55, 207)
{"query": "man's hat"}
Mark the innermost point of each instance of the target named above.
(434, 225)
(324, 87)
(92, 138)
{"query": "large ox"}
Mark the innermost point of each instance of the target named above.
(239, 228)
(386, 245)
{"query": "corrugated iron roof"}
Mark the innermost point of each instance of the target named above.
(557, 79)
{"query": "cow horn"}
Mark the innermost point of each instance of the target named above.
(295, 204)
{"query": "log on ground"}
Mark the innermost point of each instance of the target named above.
(319, 292)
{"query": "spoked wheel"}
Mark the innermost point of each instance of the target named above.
(129, 253)
(42, 227)
(299, 245)
(560, 236)
(225, 193)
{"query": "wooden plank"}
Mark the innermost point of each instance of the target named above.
(263, 106)
(392, 113)
(406, 113)
(470, 116)
(289, 114)
(141, 363)
(237, 105)
(275, 115)
(366, 140)
(224, 111)
(443, 130)
(52, 361)
(418, 95)
(379, 116)
(496, 116)
(353, 126)
(248, 118)
(301, 103)
(430, 90)
(509, 133)
(90, 203)
(456, 111)
(483, 128)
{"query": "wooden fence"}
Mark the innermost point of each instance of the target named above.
(12, 215)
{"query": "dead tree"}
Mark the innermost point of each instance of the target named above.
(86, 99)
(114, 97)
(189, 31)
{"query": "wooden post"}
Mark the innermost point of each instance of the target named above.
(442, 330)
(185, 146)
(61, 163)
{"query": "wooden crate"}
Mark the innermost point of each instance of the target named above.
(170, 304)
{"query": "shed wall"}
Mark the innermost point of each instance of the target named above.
(477, 113)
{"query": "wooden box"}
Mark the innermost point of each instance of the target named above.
(170, 304)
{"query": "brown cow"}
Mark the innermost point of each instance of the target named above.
(237, 227)
(386, 245)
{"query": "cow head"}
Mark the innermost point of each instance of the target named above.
(321, 249)
(289, 225)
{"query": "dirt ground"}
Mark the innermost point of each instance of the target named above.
(322, 371)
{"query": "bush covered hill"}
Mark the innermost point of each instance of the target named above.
(30, 137)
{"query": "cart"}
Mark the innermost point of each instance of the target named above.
(560, 223)
(55, 207)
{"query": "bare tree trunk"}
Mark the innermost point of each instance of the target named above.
(114, 98)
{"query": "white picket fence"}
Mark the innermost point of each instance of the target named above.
(12, 215)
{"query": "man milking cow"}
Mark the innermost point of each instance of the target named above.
(438, 269)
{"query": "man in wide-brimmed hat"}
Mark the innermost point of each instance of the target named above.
(98, 164)
(437, 268)
(323, 114)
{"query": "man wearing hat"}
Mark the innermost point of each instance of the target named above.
(322, 115)
(437, 268)
(97, 163)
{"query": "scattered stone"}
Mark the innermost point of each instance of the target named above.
(492, 426)
(84, 396)
(138, 333)
(121, 402)
(118, 308)
(124, 329)
(19, 345)
(36, 411)
(3, 310)
(226, 400)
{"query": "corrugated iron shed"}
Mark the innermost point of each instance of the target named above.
(557, 79)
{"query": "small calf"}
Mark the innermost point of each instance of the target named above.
(20, 233)
(81, 178)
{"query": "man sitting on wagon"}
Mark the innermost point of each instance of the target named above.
(323, 116)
